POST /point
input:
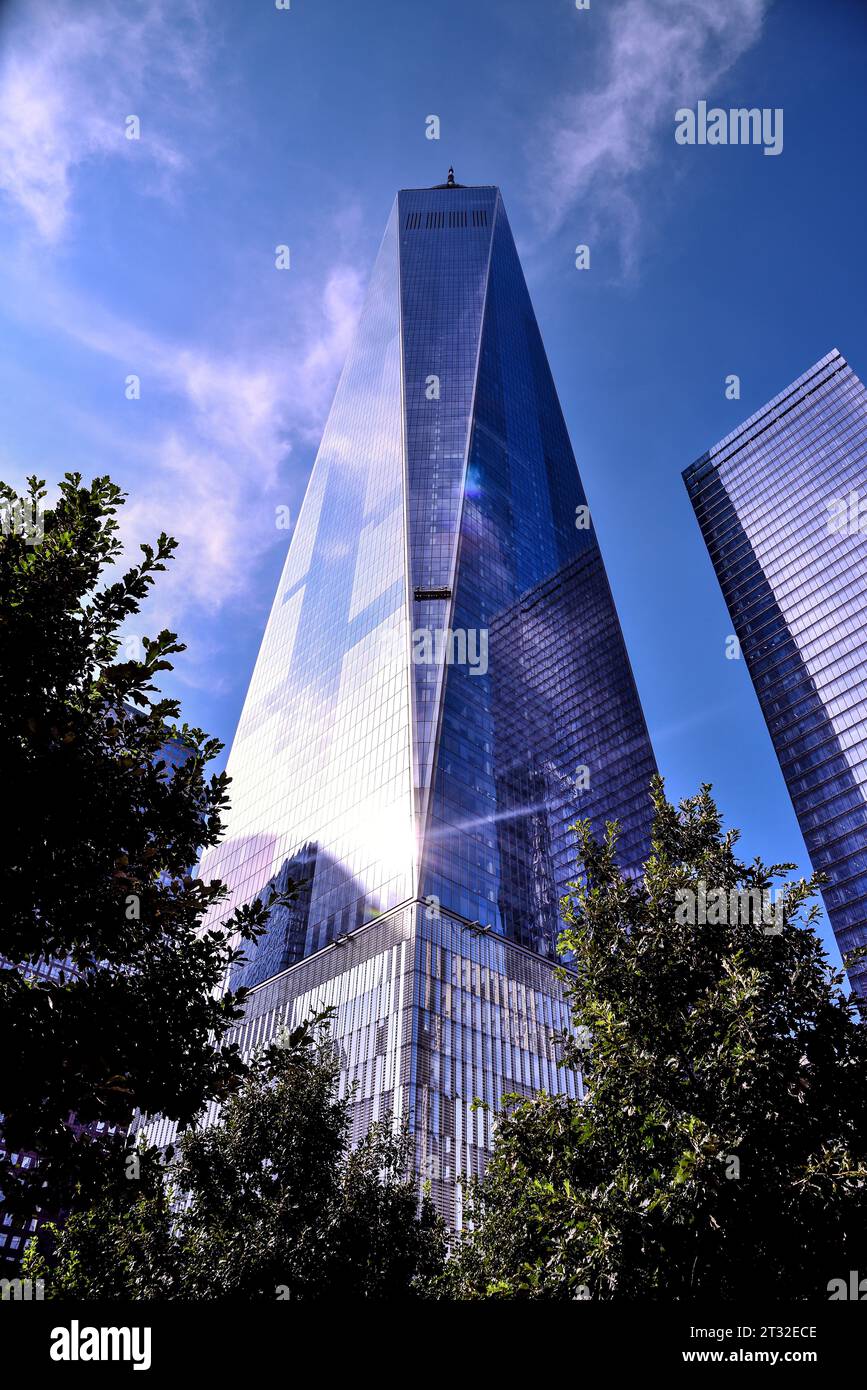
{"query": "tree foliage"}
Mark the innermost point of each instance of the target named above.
(97, 850)
(269, 1203)
(721, 1147)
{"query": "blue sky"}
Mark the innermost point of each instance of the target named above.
(261, 127)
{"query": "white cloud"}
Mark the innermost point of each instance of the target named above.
(214, 484)
(657, 55)
(69, 80)
(206, 462)
(209, 471)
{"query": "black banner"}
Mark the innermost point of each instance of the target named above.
(240, 1339)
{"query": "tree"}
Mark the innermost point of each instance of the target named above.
(269, 1203)
(721, 1147)
(94, 875)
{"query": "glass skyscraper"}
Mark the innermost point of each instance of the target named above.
(441, 691)
(778, 504)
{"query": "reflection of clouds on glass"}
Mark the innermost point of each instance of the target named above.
(322, 751)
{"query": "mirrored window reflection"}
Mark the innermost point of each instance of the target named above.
(781, 502)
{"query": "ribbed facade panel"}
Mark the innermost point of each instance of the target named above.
(778, 504)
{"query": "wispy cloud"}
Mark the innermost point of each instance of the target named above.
(216, 478)
(204, 452)
(68, 81)
(656, 55)
(209, 470)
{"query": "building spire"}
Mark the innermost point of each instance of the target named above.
(450, 182)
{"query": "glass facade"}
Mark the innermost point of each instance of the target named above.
(430, 1015)
(441, 691)
(320, 764)
(554, 730)
(777, 502)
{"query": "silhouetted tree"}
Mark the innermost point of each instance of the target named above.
(96, 852)
(721, 1148)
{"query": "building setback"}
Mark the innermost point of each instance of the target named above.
(778, 504)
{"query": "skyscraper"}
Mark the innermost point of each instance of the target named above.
(778, 504)
(441, 691)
